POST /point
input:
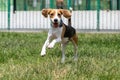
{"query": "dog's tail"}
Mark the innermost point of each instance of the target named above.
(71, 9)
(69, 20)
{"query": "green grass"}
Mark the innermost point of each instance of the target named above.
(99, 58)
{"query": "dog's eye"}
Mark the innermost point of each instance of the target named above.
(51, 14)
(59, 14)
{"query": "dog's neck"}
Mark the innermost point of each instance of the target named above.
(60, 25)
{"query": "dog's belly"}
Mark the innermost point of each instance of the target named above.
(64, 40)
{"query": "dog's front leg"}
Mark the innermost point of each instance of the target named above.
(43, 52)
(51, 45)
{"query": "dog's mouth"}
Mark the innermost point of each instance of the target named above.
(55, 24)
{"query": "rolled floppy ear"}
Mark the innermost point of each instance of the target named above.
(45, 12)
(66, 13)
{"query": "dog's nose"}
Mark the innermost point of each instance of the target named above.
(55, 20)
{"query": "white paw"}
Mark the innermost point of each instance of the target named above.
(43, 53)
(75, 58)
(50, 46)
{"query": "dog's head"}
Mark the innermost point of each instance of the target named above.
(55, 15)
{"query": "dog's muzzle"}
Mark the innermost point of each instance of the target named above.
(55, 23)
(55, 20)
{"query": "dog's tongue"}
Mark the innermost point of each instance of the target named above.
(55, 25)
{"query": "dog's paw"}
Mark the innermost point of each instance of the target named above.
(50, 46)
(63, 60)
(75, 59)
(43, 53)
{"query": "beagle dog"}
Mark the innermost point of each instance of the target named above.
(59, 32)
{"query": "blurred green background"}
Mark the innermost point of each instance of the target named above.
(75, 4)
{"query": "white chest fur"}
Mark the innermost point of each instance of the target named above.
(55, 32)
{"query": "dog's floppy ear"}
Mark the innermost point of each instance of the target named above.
(66, 13)
(45, 12)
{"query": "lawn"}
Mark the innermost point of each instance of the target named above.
(99, 58)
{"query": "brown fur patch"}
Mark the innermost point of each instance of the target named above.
(51, 12)
(63, 32)
(75, 39)
(66, 13)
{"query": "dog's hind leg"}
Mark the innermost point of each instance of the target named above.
(63, 47)
(74, 40)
